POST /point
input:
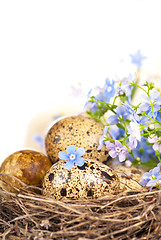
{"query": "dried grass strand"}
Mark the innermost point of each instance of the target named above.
(129, 215)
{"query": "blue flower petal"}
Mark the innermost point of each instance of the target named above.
(63, 155)
(146, 175)
(113, 119)
(151, 183)
(79, 162)
(156, 171)
(144, 182)
(80, 151)
(69, 165)
(71, 149)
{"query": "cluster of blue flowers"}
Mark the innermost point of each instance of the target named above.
(135, 128)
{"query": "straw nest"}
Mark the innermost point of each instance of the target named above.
(129, 215)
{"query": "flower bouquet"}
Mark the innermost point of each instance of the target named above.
(134, 123)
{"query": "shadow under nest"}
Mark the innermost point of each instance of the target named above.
(128, 215)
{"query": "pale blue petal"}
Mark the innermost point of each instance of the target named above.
(154, 94)
(69, 165)
(63, 155)
(156, 107)
(105, 130)
(158, 101)
(113, 153)
(100, 143)
(158, 177)
(155, 170)
(80, 161)
(113, 119)
(121, 110)
(144, 182)
(144, 107)
(118, 144)
(151, 183)
(122, 156)
(80, 151)
(71, 149)
(146, 175)
(109, 145)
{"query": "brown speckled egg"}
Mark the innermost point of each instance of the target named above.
(80, 131)
(94, 179)
(27, 165)
(129, 177)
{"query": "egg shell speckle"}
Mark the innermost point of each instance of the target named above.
(94, 179)
(80, 131)
(129, 177)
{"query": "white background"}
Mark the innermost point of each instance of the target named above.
(48, 46)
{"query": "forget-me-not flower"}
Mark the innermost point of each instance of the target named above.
(137, 58)
(109, 90)
(156, 143)
(120, 112)
(72, 157)
(151, 178)
(143, 152)
(117, 149)
(124, 87)
(147, 102)
(39, 140)
(101, 140)
(135, 134)
(97, 92)
(101, 94)
(131, 113)
(116, 132)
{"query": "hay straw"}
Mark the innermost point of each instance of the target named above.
(129, 215)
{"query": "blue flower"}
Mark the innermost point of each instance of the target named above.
(156, 143)
(72, 157)
(109, 90)
(143, 151)
(132, 115)
(151, 178)
(120, 112)
(39, 140)
(135, 134)
(124, 87)
(147, 102)
(101, 94)
(117, 149)
(101, 140)
(97, 92)
(116, 132)
(137, 58)
(157, 116)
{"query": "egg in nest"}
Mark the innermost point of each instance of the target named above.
(80, 131)
(129, 177)
(28, 166)
(92, 180)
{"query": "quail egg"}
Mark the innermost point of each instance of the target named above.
(129, 177)
(29, 166)
(92, 180)
(81, 131)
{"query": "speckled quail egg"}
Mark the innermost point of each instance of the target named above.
(80, 131)
(92, 180)
(129, 177)
(27, 165)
